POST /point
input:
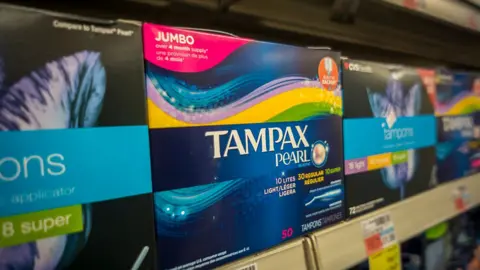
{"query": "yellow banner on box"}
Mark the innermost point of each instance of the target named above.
(379, 161)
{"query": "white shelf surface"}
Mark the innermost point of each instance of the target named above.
(297, 254)
(342, 246)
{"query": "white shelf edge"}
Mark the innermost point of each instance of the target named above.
(342, 246)
(291, 255)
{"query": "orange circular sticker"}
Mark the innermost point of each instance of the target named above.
(328, 73)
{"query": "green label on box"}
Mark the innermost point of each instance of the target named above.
(29, 227)
(399, 157)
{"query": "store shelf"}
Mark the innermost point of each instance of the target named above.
(297, 255)
(454, 12)
(475, 3)
(382, 30)
(342, 246)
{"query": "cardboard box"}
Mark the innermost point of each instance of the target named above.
(246, 144)
(389, 134)
(75, 173)
(457, 104)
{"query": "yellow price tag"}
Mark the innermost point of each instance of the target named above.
(386, 259)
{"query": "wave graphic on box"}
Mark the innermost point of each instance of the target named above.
(181, 207)
(464, 103)
(66, 93)
(325, 197)
(445, 149)
(174, 103)
(396, 103)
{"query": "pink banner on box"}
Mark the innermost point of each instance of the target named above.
(357, 165)
(184, 50)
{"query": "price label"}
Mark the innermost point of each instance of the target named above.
(459, 204)
(373, 243)
(412, 4)
(252, 266)
(378, 233)
(386, 259)
(472, 21)
(461, 198)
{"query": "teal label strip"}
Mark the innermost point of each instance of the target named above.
(364, 137)
(48, 169)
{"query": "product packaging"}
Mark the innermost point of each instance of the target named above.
(389, 134)
(75, 175)
(457, 106)
(465, 241)
(437, 247)
(428, 251)
(246, 144)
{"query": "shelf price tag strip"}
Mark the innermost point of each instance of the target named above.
(381, 243)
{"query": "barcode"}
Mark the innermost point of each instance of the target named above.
(252, 266)
(382, 220)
